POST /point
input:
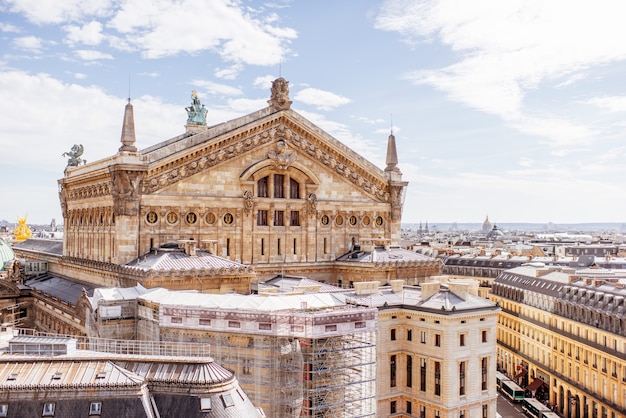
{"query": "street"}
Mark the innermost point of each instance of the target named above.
(508, 409)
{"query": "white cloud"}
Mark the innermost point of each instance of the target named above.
(9, 28)
(507, 49)
(31, 43)
(264, 82)
(92, 55)
(169, 27)
(80, 76)
(217, 88)
(323, 100)
(228, 73)
(611, 103)
(89, 34)
(59, 11)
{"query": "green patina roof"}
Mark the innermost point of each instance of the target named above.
(6, 253)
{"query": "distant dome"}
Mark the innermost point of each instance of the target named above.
(486, 225)
(495, 233)
(6, 254)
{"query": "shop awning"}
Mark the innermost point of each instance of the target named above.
(534, 385)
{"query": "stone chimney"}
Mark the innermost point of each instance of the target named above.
(462, 289)
(429, 289)
(397, 285)
(366, 288)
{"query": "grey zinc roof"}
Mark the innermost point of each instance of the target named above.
(188, 372)
(19, 372)
(63, 289)
(172, 260)
(290, 283)
(412, 297)
(381, 255)
(48, 246)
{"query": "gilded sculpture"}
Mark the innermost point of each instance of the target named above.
(22, 231)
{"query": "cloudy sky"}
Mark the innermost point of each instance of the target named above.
(512, 109)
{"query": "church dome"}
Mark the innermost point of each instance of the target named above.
(6, 254)
(495, 234)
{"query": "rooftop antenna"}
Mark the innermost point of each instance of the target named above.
(280, 68)
(129, 88)
(391, 121)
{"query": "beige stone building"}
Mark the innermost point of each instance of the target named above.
(561, 335)
(436, 349)
(268, 190)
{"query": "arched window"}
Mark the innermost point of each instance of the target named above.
(262, 190)
(294, 189)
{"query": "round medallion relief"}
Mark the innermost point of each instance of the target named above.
(171, 217)
(353, 220)
(228, 219)
(324, 220)
(210, 218)
(191, 218)
(339, 220)
(152, 217)
(379, 221)
(366, 220)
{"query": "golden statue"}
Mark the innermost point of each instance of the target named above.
(22, 231)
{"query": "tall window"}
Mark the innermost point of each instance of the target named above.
(409, 335)
(392, 371)
(437, 340)
(262, 190)
(261, 218)
(462, 340)
(294, 189)
(484, 336)
(294, 219)
(279, 218)
(409, 407)
(422, 411)
(392, 407)
(423, 337)
(462, 378)
(485, 411)
(393, 334)
(423, 374)
(409, 371)
(437, 378)
(483, 372)
(279, 185)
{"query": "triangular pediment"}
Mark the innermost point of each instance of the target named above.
(253, 139)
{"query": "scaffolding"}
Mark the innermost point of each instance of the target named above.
(308, 362)
(340, 380)
(297, 363)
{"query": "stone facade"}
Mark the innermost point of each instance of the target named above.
(268, 190)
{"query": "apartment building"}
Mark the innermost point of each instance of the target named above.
(563, 331)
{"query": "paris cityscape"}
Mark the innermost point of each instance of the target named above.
(366, 209)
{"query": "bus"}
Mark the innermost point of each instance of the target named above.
(534, 408)
(499, 378)
(549, 415)
(512, 390)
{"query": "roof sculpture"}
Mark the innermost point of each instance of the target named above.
(22, 231)
(196, 113)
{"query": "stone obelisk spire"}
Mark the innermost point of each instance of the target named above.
(128, 130)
